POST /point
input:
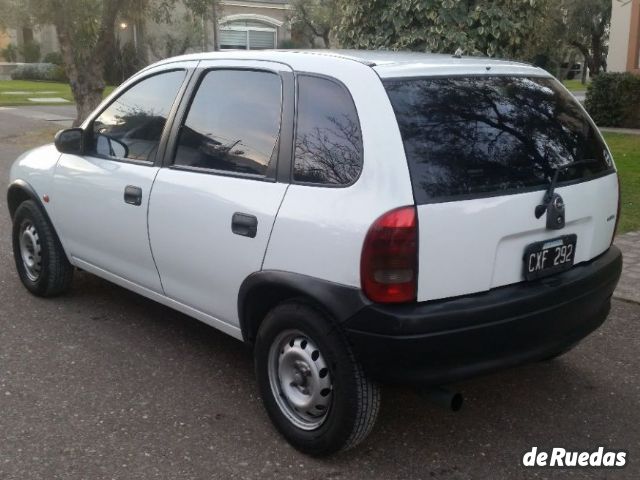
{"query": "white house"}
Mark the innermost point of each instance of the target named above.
(624, 38)
(254, 24)
(243, 24)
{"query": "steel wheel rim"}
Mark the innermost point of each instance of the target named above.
(300, 380)
(31, 251)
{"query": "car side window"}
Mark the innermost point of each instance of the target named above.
(130, 128)
(233, 123)
(328, 148)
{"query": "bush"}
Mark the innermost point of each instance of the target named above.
(613, 100)
(291, 44)
(10, 53)
(126, 61)
(39, 71)
(53, 57)
(31, 52)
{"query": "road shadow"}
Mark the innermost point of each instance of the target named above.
(208, 375)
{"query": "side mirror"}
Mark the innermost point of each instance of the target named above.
(70, 141)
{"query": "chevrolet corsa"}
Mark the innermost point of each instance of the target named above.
(355, 217)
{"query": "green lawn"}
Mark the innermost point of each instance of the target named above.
(17, 92)
(575, 85)
(626, 153)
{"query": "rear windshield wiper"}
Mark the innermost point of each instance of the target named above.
(550, 194)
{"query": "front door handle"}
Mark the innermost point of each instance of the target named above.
(133, 195)
(245, 225)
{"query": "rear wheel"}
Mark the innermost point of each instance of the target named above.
(40, 260)
(313, 388)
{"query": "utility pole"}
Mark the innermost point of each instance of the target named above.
(216, 30)
(205, 32)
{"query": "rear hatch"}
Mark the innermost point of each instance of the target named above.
(482, 153)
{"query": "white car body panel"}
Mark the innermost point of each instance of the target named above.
(320, 231)
(145, 292)
(474, 245)
(36, 168)
(94, 222)
(201, 261)
(95, 225)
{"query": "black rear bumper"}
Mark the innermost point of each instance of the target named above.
(444, 341)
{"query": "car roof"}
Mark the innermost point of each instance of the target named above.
(388, 64)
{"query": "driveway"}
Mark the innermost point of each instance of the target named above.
(102, 383)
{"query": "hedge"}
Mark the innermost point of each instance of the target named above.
(39, 71)
(613, 100)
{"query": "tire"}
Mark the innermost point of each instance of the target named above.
(40, 260)
(337, 403)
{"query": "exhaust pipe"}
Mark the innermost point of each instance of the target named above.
(444, 398)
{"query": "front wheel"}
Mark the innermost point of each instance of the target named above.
(313, 388)
(40, 260)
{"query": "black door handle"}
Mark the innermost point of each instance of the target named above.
(245, 225)
(133, 195)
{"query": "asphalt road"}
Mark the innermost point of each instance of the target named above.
(102, 383)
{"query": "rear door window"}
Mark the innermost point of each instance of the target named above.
(468, 137)
(233, 124)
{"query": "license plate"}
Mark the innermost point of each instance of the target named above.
(549, 257)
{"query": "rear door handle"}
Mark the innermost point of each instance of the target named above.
(133, 195)
(245, 225)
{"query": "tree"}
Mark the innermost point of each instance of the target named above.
(207, 10)
(175, 38)
(490, 27)
(10, 53)
(86, 35)
(587, 29)
(315, 19)
(546, 46)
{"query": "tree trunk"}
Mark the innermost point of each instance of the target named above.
(596, 55)
(84, 64)
(205, 33)
(87, 89)
(86, 79)
(216, 29)
(565, 71)
(583, 80)
(326, 37)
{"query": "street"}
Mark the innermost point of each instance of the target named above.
(103, 383)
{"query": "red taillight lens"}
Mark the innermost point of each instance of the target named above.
(389, 262)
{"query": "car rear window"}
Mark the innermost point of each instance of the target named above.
(328, 137)
(468, 137)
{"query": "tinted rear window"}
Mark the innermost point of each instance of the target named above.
(328, 139)
(480, 136)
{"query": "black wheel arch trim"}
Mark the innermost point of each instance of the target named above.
(263, 290)
(23, 187)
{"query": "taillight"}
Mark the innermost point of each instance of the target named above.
(615, 228)
(389, 262)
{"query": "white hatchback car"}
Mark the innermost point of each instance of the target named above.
(356, 217)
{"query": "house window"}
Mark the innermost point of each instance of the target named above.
(246, 35)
